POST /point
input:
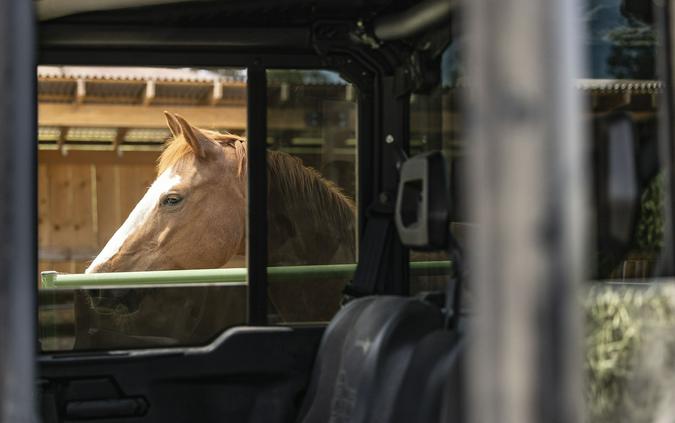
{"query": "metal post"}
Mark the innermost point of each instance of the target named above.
(257, 195)
(664, 57)
(18, 168)
(527, 180)
(394, 139)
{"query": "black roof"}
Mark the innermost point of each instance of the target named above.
(237, 13)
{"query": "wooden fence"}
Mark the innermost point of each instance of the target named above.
(101, 131)
(83, 198)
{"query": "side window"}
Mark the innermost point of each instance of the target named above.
(140, 170)
(621, 84)
(435, 125)
(312, 183)
(627, 316)
(142, 202)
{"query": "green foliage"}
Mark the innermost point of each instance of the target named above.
(650, 226)
(630, 353)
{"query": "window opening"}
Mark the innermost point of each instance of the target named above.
(115, 195)
(312, 181)
(103, 151)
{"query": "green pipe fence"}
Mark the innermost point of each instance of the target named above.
(226, 277)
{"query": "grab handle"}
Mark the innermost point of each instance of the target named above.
(107, 408)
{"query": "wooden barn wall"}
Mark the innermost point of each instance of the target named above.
(82, 200)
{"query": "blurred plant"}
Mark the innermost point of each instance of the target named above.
(630, 353)
(650, 226)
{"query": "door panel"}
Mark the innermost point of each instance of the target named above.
(248, 374)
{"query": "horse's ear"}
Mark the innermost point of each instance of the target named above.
(199, 142)
(173, 124)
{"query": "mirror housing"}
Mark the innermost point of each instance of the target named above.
(423, 204)
(623, 194)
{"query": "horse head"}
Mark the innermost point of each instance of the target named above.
(179, 223)
(194, 216)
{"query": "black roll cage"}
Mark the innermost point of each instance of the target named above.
(377, 73)
(382, 112)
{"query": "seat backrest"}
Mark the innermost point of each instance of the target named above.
(432, 390)
(363, 358)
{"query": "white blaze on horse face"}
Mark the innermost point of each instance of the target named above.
(138, 216)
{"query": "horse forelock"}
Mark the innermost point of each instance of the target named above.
(176, 150)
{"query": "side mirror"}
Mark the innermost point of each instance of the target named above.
(623, 194)
(423, 204)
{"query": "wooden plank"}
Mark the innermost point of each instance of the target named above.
(66, 208)
(108, 210)
(220, 116)
(232, 118)
(56, 253)
(135, 116)
(61, 196)
(60, 78)
(98, 157)
(85, 212)
(63, 266)
(44, 226)
(81, 211)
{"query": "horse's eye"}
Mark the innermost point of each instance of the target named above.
(171, 200)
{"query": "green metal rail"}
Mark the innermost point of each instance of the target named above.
(227, 277)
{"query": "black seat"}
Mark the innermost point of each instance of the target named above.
(364, 358)
(390, 359)
(432, 389)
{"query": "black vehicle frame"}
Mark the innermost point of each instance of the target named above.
(18, 215)
(382, 112)
(260, 373)
(143, 385)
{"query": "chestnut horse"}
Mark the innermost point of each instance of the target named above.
(194, 217)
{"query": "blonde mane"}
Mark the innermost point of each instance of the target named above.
(175, 150)
(294, 181)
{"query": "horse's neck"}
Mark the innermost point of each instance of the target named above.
(308, 223)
